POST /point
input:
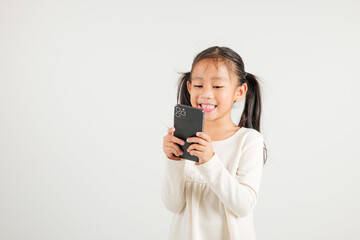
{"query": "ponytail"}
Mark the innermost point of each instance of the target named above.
(183, 96)
(251, 115)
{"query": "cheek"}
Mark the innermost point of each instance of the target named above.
(193, 100)
(225, 100)
(223, 96)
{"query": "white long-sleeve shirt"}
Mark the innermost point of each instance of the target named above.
(215, 200)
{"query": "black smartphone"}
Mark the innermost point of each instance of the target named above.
(187, 122)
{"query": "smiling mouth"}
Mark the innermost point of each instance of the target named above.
(207, 108)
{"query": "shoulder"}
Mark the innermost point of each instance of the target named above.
(251, 149)
(251, 134)
(250, 139)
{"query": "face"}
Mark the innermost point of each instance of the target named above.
(216, 86)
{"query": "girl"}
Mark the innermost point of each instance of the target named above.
(215, 198)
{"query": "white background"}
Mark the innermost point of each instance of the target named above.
(87, 90)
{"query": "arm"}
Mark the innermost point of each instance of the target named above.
(240, 193)
(173, 188)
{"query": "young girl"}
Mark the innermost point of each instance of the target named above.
(214, 199)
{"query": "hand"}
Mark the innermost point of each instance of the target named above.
(201, 147)
(170, 147)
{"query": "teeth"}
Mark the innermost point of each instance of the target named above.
(208, 106)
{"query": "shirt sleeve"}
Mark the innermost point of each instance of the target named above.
(240, 193)
(173, 188)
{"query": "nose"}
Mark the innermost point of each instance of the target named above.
(207, 91)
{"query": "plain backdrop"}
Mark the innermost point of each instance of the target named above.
(87, 90)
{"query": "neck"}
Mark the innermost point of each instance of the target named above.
(217, 126)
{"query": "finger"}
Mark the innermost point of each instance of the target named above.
(194, 152)
(171, 131)
(203, 136)
(173, 139)
(171, 145)
(197, 140)
(175, 149)
(196, 147)
(176, 140)
(175, 158)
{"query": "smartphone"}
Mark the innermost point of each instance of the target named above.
(187, 122)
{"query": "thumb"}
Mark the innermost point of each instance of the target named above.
(171, 131)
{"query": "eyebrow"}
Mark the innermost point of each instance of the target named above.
(213, 78)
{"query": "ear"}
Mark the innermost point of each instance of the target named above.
(240, 92)
(188, 86)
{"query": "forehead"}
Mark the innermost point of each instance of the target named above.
(214, 69)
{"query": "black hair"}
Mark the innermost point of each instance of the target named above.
(251, 115)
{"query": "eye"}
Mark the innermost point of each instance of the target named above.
(214, 86)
